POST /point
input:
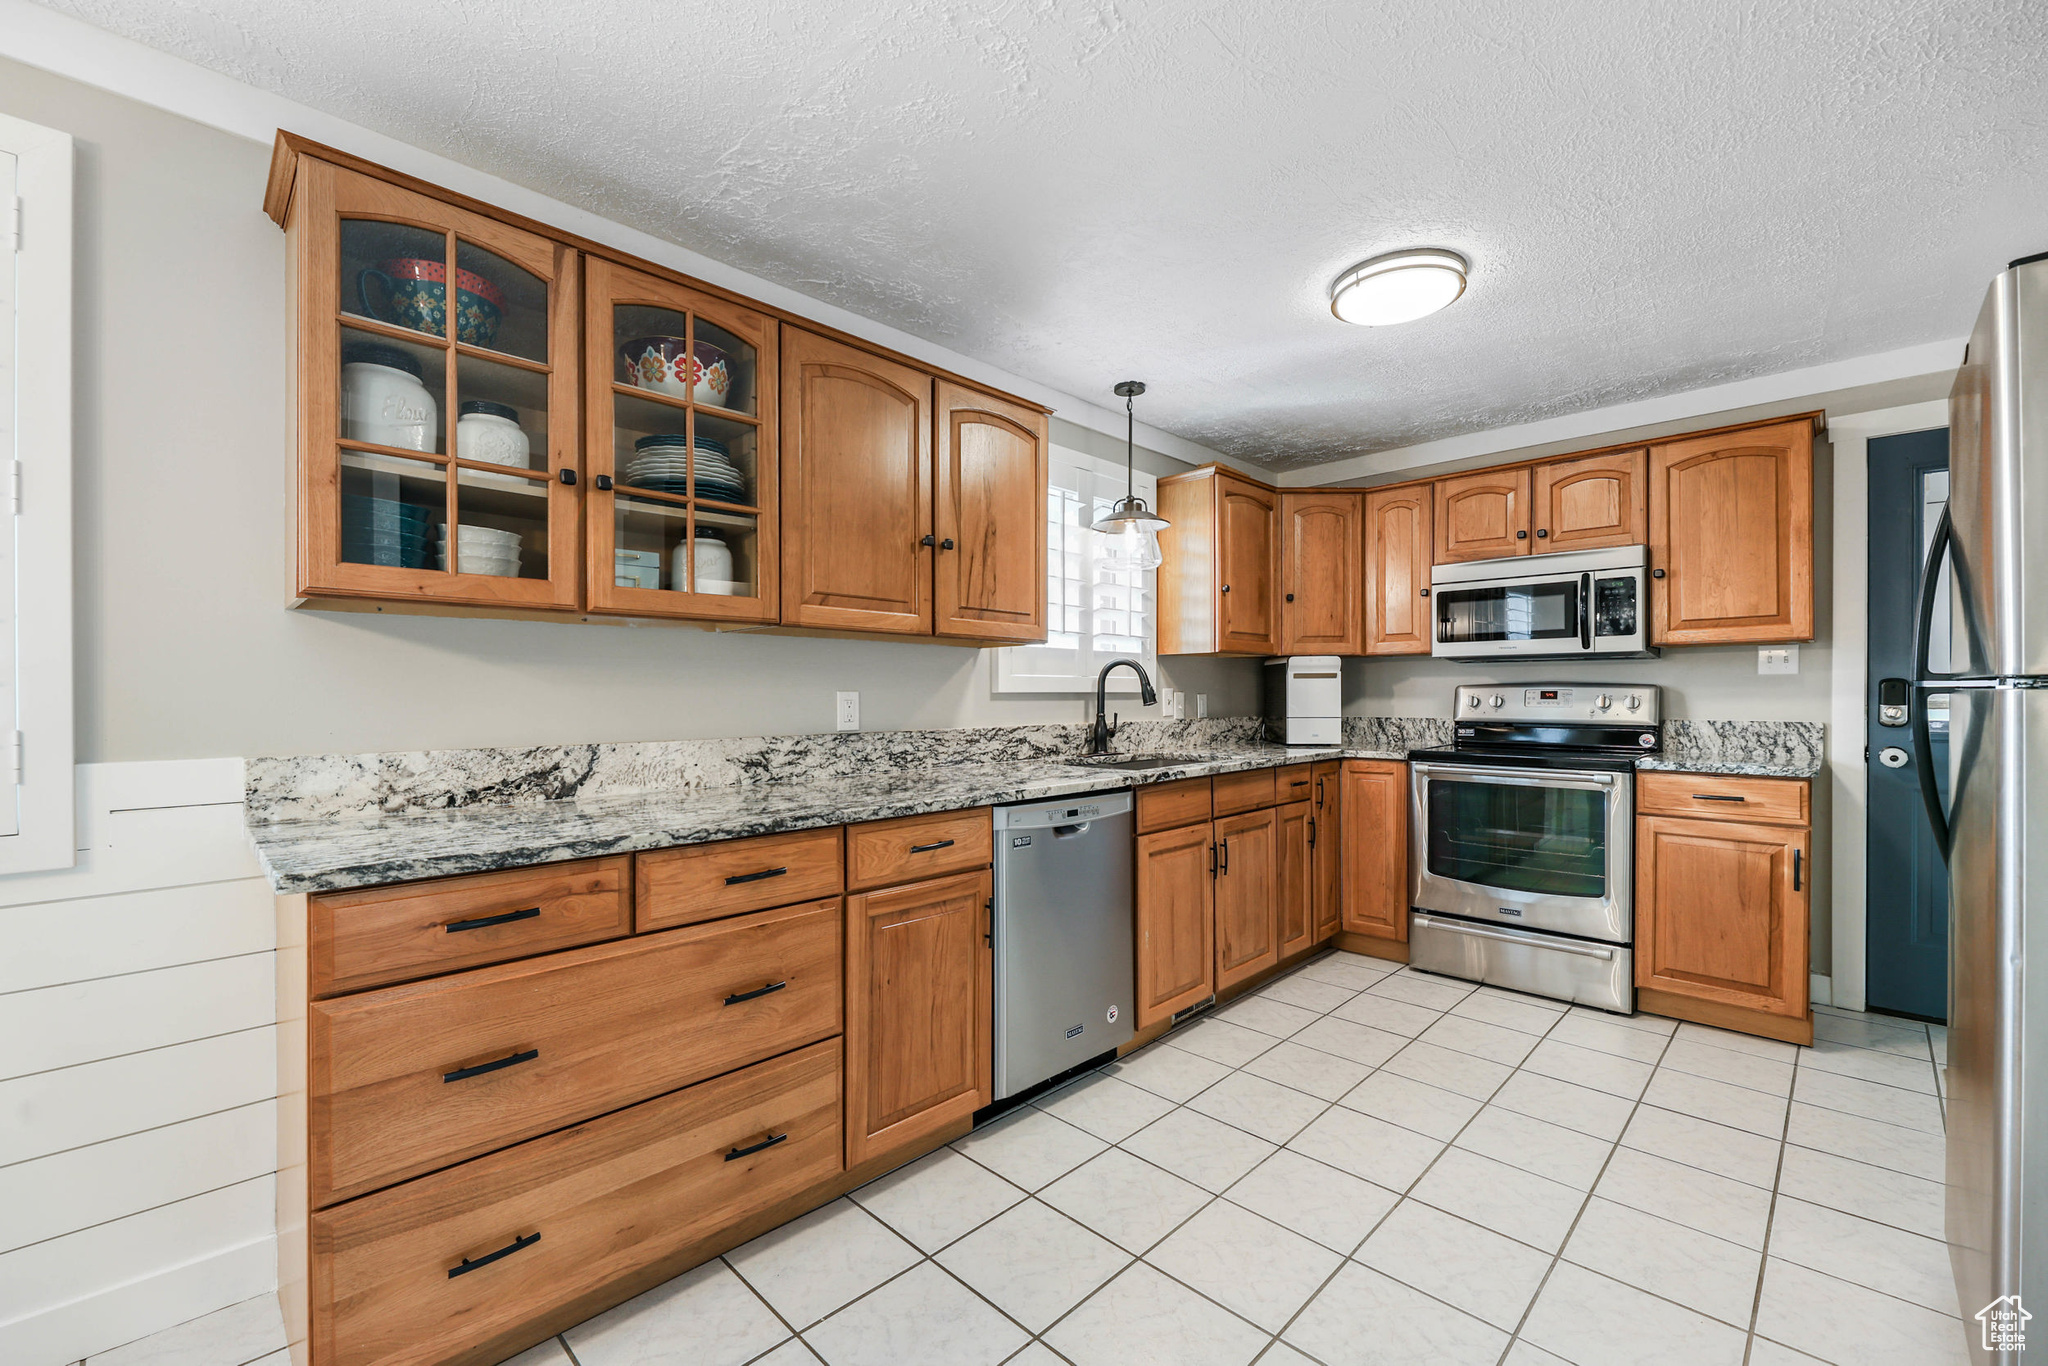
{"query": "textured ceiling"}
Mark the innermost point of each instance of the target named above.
(1654, 196)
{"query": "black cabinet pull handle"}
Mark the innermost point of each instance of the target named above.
(925, 539)
(927, 848)
(1226, 858)
(737, 878)
(1311, 832)
(1795, 868)
(737, 1153)
(1715, 797)
(755, 994)
(1212, 860)
(464, 1073)
(603, 481)
(1319, 792)
(1656, 573)
(1298, 782)
(946, 544)
(468, 1265)
(485, 921)
(568, 476)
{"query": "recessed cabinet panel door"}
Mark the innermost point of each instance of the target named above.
(1247, 895)
(1249, 518)
(1482, 516)
(1176, 922)
(1591, 503)
(1375, 823)
(1717, 915)
(856, 488)
(1326, 840)
(1296, 878)
(918, 1047)
(990, 517)
(1322, 576)
(1398, 533)
(1731, 531)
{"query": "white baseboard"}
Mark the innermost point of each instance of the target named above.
(122, 1313)
(1821, 991)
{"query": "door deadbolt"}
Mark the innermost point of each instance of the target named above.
(1891, 756)
(1894, 702)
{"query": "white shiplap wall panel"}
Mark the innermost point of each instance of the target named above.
(47, 1197)
(137, 1108)
(83, 1022)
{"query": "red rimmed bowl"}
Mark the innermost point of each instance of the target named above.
(665, 365)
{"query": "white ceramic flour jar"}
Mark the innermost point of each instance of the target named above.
(383, 401)
(490, 432)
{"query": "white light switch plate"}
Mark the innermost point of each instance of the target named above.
(1201, 704)
(849, 711)
(1777, 659)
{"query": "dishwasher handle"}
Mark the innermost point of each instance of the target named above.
(1067, 832)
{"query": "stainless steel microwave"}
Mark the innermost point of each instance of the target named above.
(1575, 604)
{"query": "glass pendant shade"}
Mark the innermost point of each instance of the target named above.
(1130, 535)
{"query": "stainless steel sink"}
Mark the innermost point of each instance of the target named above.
(1139, 762)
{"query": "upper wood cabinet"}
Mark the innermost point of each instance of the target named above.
(682, 461)
(919, 1053)
(1731, 536)
(1176, 922)
(434, 442)
(1322, 577)
(1374, 817)
(989, 569)
(1399, 530)
(1591, 502)
(857, 489)
(1218, 587)
(1482, 516)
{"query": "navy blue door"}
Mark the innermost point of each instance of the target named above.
(1906, 883)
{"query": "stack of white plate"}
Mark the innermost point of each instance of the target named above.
(483, 550)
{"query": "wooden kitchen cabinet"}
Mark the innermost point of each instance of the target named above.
(1722, 922)
(1247, 894)
(1591, 502)
(1322, 574)
(1295, 880)
(989, 566)
(1325, 847)
(1218, 588)
(1731, 536)
(682, 509)
(856, 487)
(918, 1012)
(383, 372)
(1399, 535)
(1482, 516)
(1176, 921)
(1374, 820)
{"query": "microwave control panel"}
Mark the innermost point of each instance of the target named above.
(1623, 703)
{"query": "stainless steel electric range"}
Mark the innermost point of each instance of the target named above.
(1523, 867)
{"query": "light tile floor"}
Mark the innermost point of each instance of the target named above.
(1358, 1166)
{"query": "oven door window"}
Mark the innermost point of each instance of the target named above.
(1527, 611)
(1550, 841)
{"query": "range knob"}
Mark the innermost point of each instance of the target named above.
(1602, 702)
(1472, 701)
(1632, 701)
(1497, 700)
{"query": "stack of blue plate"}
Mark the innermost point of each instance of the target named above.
(659, 463)
(386, 531)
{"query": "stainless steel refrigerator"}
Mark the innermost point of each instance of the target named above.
(1995, 831)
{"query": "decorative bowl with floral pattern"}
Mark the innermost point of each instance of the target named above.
(665, 365)
(416, 292)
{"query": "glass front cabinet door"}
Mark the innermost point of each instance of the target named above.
(437, 397)
(680, 393)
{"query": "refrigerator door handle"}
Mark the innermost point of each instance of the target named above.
(1926, 680)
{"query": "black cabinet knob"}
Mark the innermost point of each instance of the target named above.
(603, 481)
(568, 476)
(1425, 592)
(1226, 588)
(1290, 597)
(1656, 573)
(1542, 532)
(1521, 535)
(926, 539)
(946, 544)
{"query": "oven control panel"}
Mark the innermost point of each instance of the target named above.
(1614, 703)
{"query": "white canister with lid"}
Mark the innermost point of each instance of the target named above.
(490, 432)
(713, 561)
(383, 400)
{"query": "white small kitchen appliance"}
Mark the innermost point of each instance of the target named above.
(1305, 699)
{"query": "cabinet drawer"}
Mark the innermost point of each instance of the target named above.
(1711, 797)
(1291, 783)
(1162, 806)
(606, 1199)
(373, 938)
(407, 1079)
(1243, 791)
(708, 881)
(883, 853)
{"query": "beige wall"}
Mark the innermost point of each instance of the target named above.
(184, 466)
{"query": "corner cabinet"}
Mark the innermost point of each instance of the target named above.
(415, 418)
(1398, 555)
(1731, 536)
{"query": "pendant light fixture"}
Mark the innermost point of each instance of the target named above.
(1130, 530)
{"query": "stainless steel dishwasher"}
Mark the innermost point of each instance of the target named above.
(1063, 935)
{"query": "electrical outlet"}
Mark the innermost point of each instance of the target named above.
(849, 711)
(1201, 705)
(1777, 659)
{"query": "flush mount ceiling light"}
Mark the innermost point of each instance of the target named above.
(1130, 530)
(1398, 287)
